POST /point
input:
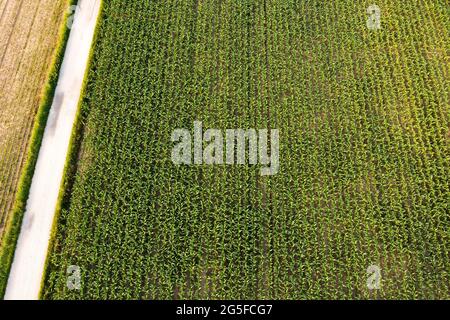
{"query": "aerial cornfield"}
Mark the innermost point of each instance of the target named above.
(362, 189)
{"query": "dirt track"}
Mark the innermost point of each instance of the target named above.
(26, 272)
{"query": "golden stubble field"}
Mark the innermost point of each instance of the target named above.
(28, 38)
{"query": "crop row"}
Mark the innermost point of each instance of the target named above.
(363, 120)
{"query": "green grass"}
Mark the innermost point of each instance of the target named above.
(12, 228)
(364, 151)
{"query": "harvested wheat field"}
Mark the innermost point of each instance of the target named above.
(29, 35)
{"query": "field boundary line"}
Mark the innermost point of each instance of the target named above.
(14, 219)
(72, 153)
(28, 264)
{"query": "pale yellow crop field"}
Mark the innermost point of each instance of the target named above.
(28, 39)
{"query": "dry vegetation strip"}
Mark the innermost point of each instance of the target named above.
(28, 38)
